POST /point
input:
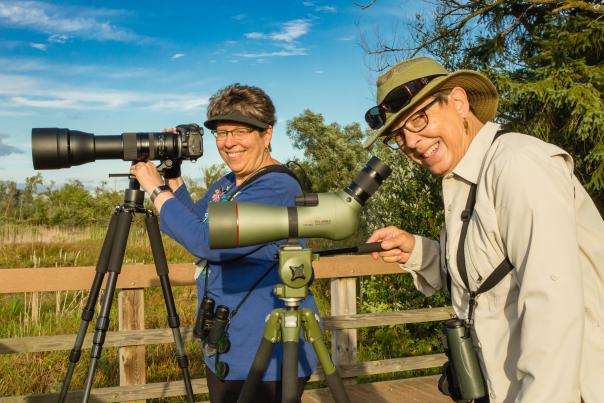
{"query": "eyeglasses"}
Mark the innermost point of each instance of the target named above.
(396, 100)
(239, 133)
(415, 124)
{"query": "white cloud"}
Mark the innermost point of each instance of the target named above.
(328, 9)
(319, 72)
(63, 20)
(177, 56)
(7, 149)
(346, 38)
(58, 38)
(280, 53)
(179, 103)
(239, 17)
(290, 31)
(40, 46)
(255, 35)
(25, 92)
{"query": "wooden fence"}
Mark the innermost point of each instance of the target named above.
(132, 337)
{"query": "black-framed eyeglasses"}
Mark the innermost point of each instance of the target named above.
(396, 100)
(239, 133)
(415, 124)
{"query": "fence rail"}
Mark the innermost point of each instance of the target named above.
(343, 322)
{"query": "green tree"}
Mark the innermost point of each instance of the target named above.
(333, 154)
(545, 57)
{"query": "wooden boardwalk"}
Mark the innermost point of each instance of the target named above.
(412, 390)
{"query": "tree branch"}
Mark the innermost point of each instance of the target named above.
(566, 5)
(366, 6)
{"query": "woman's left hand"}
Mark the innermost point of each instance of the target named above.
(146, 174)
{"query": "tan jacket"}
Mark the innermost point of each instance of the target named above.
(540, 332)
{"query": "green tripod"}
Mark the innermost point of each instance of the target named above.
(283, 324)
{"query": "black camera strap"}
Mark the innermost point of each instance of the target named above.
(261, 172)
(500, 271)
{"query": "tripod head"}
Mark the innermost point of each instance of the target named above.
(295, 267)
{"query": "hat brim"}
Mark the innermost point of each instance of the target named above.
(236, 117)
(482, 95)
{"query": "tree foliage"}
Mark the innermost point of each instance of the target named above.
(545, 57)
(333, 154)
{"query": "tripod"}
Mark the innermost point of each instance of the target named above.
(110, 260)
(295, 271)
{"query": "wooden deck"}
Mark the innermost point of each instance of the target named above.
(412, 390)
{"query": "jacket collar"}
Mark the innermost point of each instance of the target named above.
(470, 165)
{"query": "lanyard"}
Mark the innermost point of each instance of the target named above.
(496, 276)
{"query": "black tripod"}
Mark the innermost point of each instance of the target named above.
(110, 260)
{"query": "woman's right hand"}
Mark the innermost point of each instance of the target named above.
(397, 244)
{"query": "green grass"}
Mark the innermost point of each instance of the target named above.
(59, 313)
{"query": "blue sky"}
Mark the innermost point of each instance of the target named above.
(109, 67)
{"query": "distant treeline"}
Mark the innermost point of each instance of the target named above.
(48, 204)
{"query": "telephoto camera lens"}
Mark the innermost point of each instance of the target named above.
(54, 148)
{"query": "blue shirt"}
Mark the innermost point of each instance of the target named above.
(232, 272)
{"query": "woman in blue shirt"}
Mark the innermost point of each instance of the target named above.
(241, 119)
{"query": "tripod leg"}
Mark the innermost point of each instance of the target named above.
(123, 222)
(313, 334)
(272, 333)
(161, 266)
(290, 328)
(88, 311)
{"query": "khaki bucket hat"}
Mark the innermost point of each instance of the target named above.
(482, 94)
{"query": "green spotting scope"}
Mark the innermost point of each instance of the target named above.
(332, 216)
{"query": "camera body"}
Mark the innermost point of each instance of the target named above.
(462, 377)
(54, 148)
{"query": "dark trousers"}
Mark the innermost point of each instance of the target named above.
(228, 391)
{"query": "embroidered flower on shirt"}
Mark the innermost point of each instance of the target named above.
(220, 194)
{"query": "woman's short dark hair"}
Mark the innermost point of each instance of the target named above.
(246, 99)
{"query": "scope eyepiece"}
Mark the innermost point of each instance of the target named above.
(368, 180)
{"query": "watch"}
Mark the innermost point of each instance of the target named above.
(158, 190)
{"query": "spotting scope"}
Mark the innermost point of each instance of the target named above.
(54, 148)
(332, 216)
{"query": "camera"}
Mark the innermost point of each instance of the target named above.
(54, 148)
(462, 377)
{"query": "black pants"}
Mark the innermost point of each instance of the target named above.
(228, 391)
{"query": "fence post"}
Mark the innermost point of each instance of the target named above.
(344, 302)
(131, 316)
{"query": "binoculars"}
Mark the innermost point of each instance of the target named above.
(462, 377)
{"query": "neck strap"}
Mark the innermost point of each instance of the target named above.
(500, 271)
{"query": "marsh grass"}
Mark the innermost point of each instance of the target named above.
(24, 246)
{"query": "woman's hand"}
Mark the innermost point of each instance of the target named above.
(146, 174)
(397, 244)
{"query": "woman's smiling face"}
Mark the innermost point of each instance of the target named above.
(444, 141)
(245, 155)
